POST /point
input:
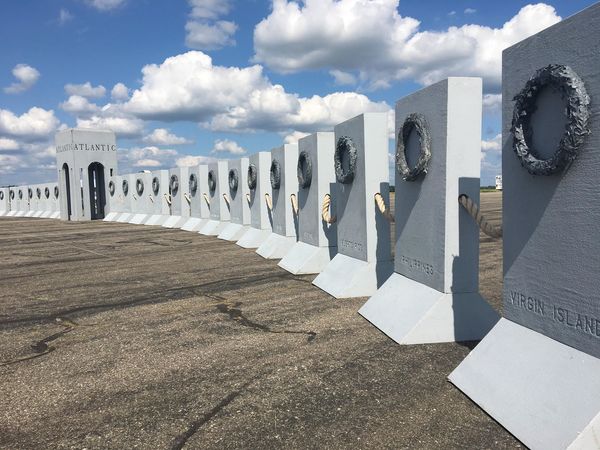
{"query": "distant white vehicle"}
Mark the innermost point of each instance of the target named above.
(498, 182)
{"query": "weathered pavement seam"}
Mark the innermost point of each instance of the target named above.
(237, 315)
(184, 437)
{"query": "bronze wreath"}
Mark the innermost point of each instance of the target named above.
(345, 146)
(252, 176)
(564, 80)
(304, 170)
(418, 123)
(193, 184)
(275, 174)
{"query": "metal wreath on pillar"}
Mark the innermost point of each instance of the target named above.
(199, 209)
(284, 183)
(5, 201)
(317, 233)
(126, 198)
(542, 358)
(218, 188)
(360, 163)
(179, 195)
(433, 295)
(142, 205)
(239, 208)
(259, 185)
(158, 198)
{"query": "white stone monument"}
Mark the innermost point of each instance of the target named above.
(317, 239)
(20, 200)
(34, 201)
(219, 209)
(259, 188)
(125, 187)
(179, 197)
(238, 196)
(141, 199)
(46, 201)
(536, 372)
(28, 194)
(363, 262)
(4, 201)
(13, 201)
(55, 208)
(43, 201)
(85, 160)
(199, 209)
(284, 184)
(38, 203)
(159, 197)
(433, 295)
(112, 199)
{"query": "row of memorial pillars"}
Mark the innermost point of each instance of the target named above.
(97, 190)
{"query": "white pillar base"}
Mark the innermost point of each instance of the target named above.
(11, 214)
(346, 277)
(213, 228)
(55, 215)
(46, 214)
(138, 219)
(111, 217)
(156, 219)
(304, 258)
(194, 224)
(20, 213)
(276, 246)
(410, 312)
(172, 221)
(233, 232)
(124, 218)
(253, 238)
(545, 393)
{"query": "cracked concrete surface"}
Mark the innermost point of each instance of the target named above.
(186, 341)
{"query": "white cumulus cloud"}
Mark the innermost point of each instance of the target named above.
(26, 77)
(191, 160)
(492, 145)
(122, 126)
(119, 92)
(294, 137)
(85, 90)
(190, 87)
(210, 35)
(371, 39)
(35, 124)
(204, 30)
(8, 144)
(78, 105)
(162, 136)
(150, 157)
(106, 5)
(227, 146)
(209, 9)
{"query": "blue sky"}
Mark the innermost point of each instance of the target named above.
(182, 82)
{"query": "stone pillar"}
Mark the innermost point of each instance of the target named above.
(317, 239)
(536, 372)
(363, 262)
(79, 155)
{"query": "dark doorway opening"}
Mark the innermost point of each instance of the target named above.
(65, 169)
(97, 191)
